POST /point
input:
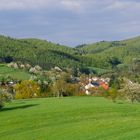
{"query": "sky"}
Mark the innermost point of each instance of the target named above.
(70, 22)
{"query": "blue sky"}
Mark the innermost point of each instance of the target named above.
(70, 22)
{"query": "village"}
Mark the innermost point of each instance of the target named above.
(94, 83)
(88, 86)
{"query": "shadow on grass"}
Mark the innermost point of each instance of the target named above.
(19, 107)
(19, 102)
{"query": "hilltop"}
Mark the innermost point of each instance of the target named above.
(100, 52)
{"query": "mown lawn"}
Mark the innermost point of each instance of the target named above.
(72, 118)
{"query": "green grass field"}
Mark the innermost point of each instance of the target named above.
(72, 118)
(13, 73)
(98, 70)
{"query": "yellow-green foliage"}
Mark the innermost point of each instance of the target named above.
(111, 94)
(27, 89)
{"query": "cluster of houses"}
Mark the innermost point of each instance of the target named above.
(9, 83)
(94, 83)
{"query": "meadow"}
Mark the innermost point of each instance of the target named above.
(18, 74)
(70, 118)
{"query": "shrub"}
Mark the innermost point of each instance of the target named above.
(111, 94)
(1, 103)
(27, 89)
(4, 97)
(72, 90)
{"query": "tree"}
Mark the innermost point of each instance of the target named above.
(1, 100)
(114, 61)
(114, 81)
(84, 70)
(75, 71)
(59, 87)
(135, 66)
(4, 97)
(44, 87)
(131, 90)
(8, 59)
(111, 94)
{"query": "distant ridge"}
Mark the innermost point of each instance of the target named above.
(48, 54)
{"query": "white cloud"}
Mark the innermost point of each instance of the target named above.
(71, 5)
(23, 4)
(123, 5)
(30, 4)
(5, 5)
(96, 19)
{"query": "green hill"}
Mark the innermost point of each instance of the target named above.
(100, 52)
(48, 54)
(35, 51)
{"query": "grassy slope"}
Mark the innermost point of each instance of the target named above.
(14, 73)
(98, 70)
(83, 118)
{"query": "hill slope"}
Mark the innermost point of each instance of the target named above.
(47, 54)
(35, 51)
(124, 50)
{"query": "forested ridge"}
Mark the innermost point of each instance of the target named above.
(35, 51)
(48, 54)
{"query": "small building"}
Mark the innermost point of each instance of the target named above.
(96, 83)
